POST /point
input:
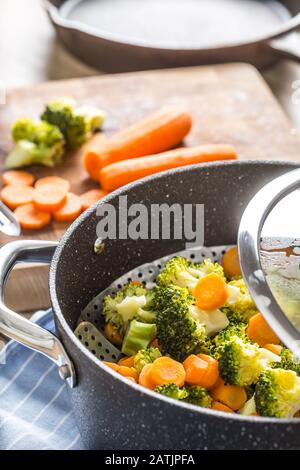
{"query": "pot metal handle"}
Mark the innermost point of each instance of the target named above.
(20, 329)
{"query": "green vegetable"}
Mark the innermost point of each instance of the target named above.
(37, 143)
(172, 391)
(249, 407)
(234, 329)
(76, 124)
(145, 356)
(277, 393)
(287, 361)
(138, 336)
(243, 308)
(198, 396)
(178, 332)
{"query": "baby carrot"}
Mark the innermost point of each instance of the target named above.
(160, 131)
(53, 180)
(70, 210)
(118, 174)
(15, 195)
(49, 197)
(201, 370)
(91, 197)
(17, 177)
(232, 396)
(31, 218)
(230, 263)
(217, 405)
(210, 292)
(260, 332)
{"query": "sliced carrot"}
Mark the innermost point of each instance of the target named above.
(17, 177)
(127, 361)
(201, 370)
(260, 332)
(165, 370)
(65, 184)
(158, 132)
(118, 174)
(274, 348)
(70, 210)
(112, 365)
(91, 197)
(136, 283)
(210, 292)
(231, 263)
(131, 379)
(112, 334)
(145, 377)
(217, 405)
(128, 372)
(50, 197)
(230, 395)
(15, 195)
(31, 218)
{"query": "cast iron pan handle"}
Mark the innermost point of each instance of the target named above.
(20, 329)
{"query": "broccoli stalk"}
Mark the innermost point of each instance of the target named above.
(138, 336)
(37, 143)
(145, 356)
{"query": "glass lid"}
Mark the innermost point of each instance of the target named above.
(269, 251)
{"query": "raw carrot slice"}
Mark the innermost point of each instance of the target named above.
(112, 334)
(230, 395)
(127, 361)
(49, 197)
(15, 195)
(210, 292)
(65, 184)
(165, 370)
(17, 177)
(31, 218)
(118, 174)
(217, 405)
(231, 263)
(274, 348)
(201, 370)
(145, 377)
(260, 332)
(91, 197)
(160, 131)
(70, 210)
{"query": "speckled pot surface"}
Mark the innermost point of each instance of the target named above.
(112, 413)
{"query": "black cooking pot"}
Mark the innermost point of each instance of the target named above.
(112, 413)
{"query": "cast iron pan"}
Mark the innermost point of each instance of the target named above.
(126, 35)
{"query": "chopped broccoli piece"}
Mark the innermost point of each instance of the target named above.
(77, 125)
(37, 143)
(178, 333)
(184, 273)
(172, 391)
(145, 356)
(198, 396)
(232, 330)
(138, 336)
(241, 306)
(277, 393)
(288, 361)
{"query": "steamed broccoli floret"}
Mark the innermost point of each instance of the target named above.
(138, 336)
(145, 356)
(77, 125)
(179, 334)
(132, 301)
(183, 273)
(37, 143)
(172, 391)
(232, 330)
(288, 361)
(198, 396)
(240, 307)
(277, 393)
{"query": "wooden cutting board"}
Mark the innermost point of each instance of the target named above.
(229, 103)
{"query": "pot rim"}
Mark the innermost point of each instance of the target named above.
(59, 315)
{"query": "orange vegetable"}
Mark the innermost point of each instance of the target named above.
(128, 372)
(53, 180)
(118, 174)
(15, 195)
(160, 131)
(127, 361)
(260, 332)
(49, 197)
(70, 210)
(131, 379)
(217, 405)
(145, 377)
(201, 370)
(165, 370)
(232, 396)
(91, 197)
(210, 292)
(112, 365)
(30, 218)
(231, 263)
(274, 348)
(112, 334)
(17, 177)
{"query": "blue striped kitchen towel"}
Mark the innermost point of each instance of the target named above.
(35, 411)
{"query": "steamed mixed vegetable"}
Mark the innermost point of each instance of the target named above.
(198, 337)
